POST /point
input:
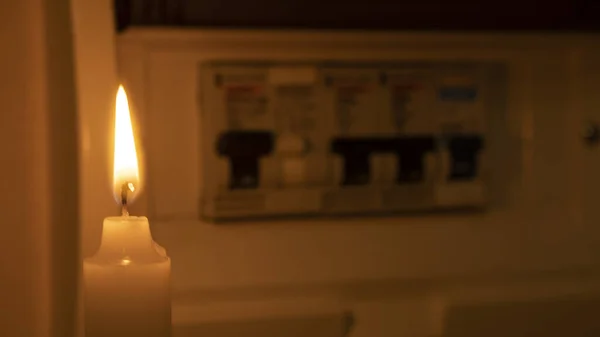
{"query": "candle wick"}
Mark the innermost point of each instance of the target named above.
(124, 189)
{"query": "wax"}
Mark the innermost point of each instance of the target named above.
(126, 283)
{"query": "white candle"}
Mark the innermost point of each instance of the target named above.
(126, 283)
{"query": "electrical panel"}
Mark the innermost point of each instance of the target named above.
(340, 138)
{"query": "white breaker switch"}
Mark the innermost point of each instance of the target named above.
(291, 149)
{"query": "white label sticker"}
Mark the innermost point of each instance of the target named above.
(246, 106)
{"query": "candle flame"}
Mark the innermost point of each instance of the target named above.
(125, 167)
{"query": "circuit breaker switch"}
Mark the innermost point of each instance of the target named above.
(291, 149)
(464, 152)
(244, 149)
(356, 153)
(411, 153)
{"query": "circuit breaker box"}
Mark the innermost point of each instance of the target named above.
(340, 138)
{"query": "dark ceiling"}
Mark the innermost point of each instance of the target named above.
(366, 14)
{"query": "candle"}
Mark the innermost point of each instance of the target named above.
(126, 283)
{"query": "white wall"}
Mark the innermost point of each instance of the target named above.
(97, 83)
(538, 242)
(38, 142)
